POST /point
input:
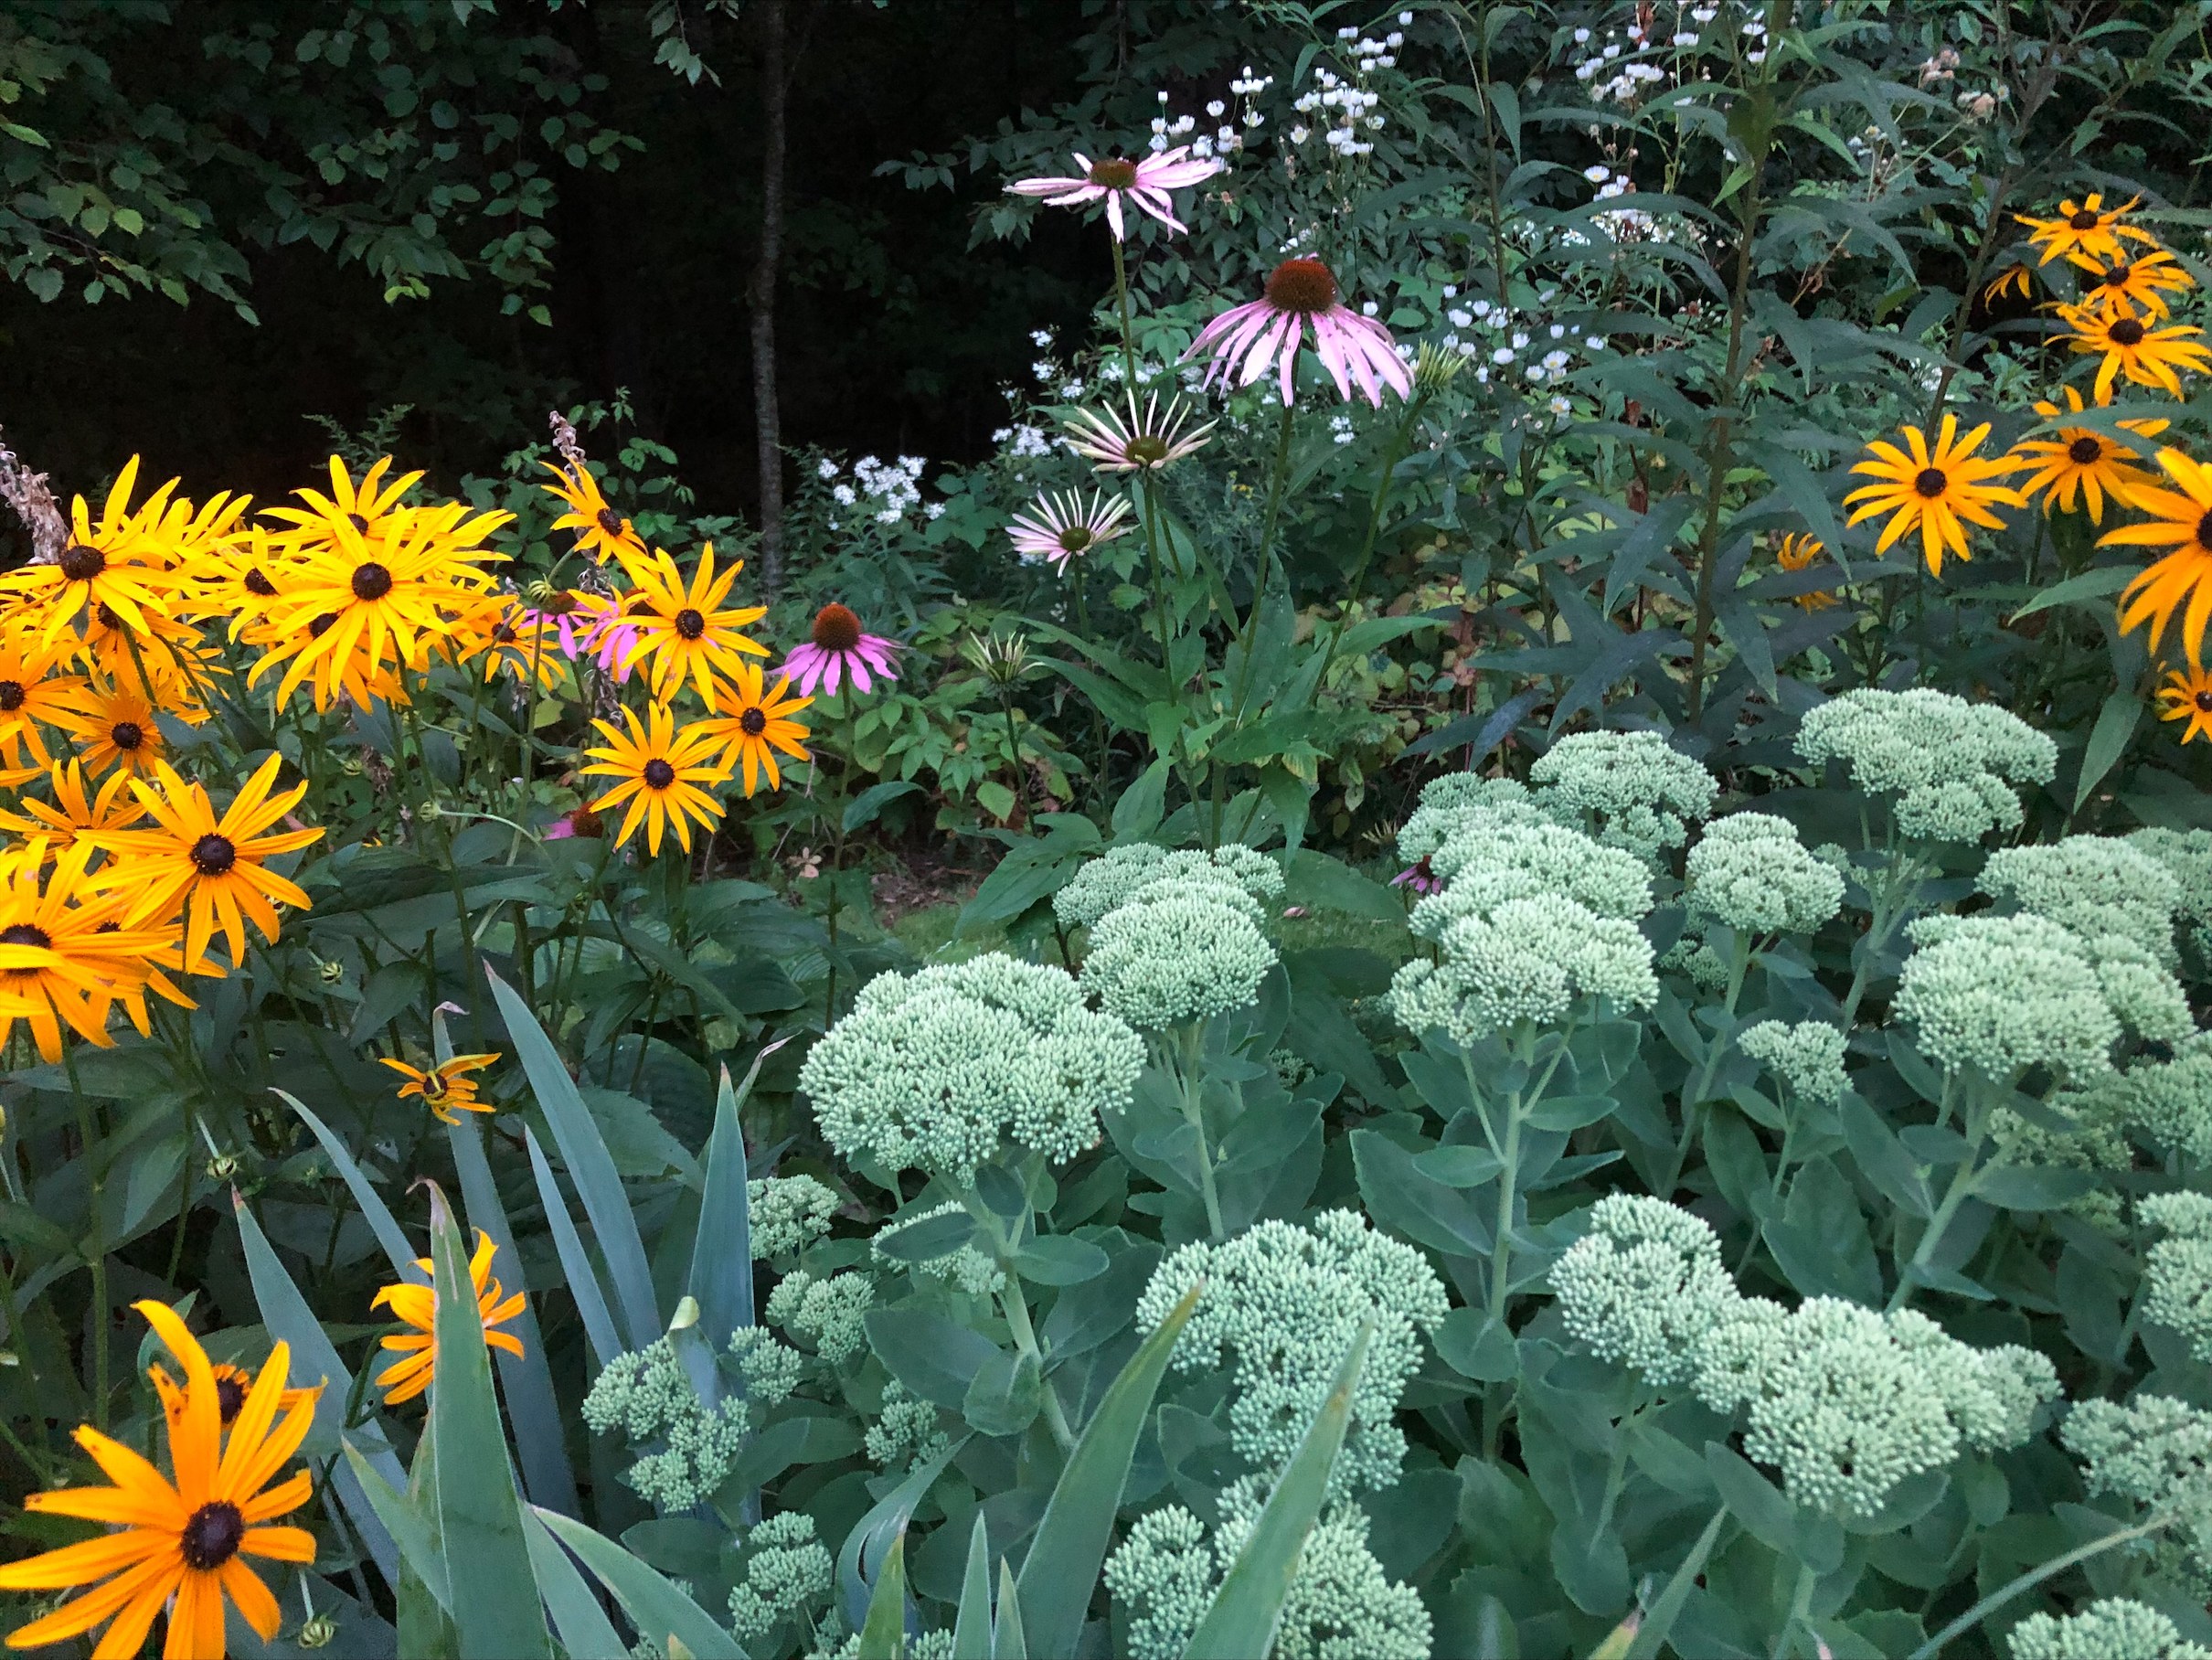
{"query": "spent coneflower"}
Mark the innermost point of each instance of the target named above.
(1246, 340)
(2187, 695)
(2180, 519)
(2087, 226)
(445, 1089)
(659, 772)
(838, 647)
(1063, 527)
(1145, 443)
(1143, 183)
(416, 1307)
(2146, 356)
(2076, 462)
(1934, 489)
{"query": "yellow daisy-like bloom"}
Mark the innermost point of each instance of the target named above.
(118, 559)
(2078, 463)
(600, 531)
(2187, 695)
(364, 509)
(2013, 279)
(660, 770)
(233, 1387)
(2133, 288)
(2180, 519)
(682, 628)
(389, 602)
(1797, 552)
(2087, 226)
(242, 584)
(76, 811)
(2146, 356)
(63, 957)
(752, 725)
(1934, 489)
(447, 1088)
(35, 687)
(115, 724)
(208, 868)
(188, 1541)
(416, 1306)
(167, 662)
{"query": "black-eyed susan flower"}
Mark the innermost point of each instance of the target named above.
(2180, 519)
(753, 723)
(364, 509)
(36, 687)
(2079, 463)
(119, 559)
(183, 1545)
(1932, 490)
(65, 957)
(659, 769)
(446, 1087)
(2133, 288)
(1796, 553)
(76, 811)
(114, 726)
(685, 631)
(207, 867)
(2146, 356)
(2087, 226)
(2187, 695)
(600, 531)
(416, 1307)
(2013, 279)
(233, 1387)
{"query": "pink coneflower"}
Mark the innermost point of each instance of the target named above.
(836, 648)
(606, 632)
(567, 614)
(1262, 331)
(1061, 526)
(582, 822)
(1419, 877)
(1144, 443)
(1145, 183)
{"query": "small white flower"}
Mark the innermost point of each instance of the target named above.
(1044, 368)
(1581, 36)
(1300, 134)
(1405, 17)
(1598, 173)
(1369, 309)
(825, 468)
(1502, 355)
(935, 510)
(1596, 343)
(844, 492)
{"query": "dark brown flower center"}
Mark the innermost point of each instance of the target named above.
(752, 723)
(690, 623)
(2085, 220)
(318, 626)
(559, 604)
(435, 1086)
(1930, 482)
(2126, 333)
(25, 933)
(80, 563)
(584, 822)
(1303, 286)
(658, 774)
(12, 695)
(2084, 450)
(211, 1535)
(610, 521)
(1115, 173)
(371, 581)
(214, 854)
(2203, 700)
(255, 583)
(837, 629)
(1075, 538)
(357, 522)
(127, 734)
(107, 616)
(230, 1398)
(2116, 278)
(2203, 533)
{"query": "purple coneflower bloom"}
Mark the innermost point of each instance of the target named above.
(836, 648)
(1145, 183)
(1247, 340)
(1143, 444)
(606, 634)
(1418, 877)
(1061, 526)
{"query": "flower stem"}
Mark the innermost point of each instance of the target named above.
(1267, 548)
(86, 1130)
(2034, 1577)
(1400, 441)
(1194, 1114)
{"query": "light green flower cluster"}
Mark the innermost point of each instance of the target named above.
(771, 1370)
(1529, 959)
(967, 1268)
(906, 1432)
(1175, 953)
(2171, 1102)
(1951, 764)
(2004, 994)
(1458, 802)
(1750, 871)
(2157, 1451)
(1807, 1056)
(788, 1213)
(2187, 855)
(787, 1576)
(829, 1311)
(1642, 1285)
(2178, 1270)
(1634, 788)
(1492, 864)
(2079, 1129)
(647, 1395)
(929, 1645)
(2113, 1628)
(1284, 1302)
(1112, 880)
(2094, 886)
(939, 1069)
(1340, 1606)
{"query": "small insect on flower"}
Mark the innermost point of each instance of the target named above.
(2181, 519)
(1143, 444)
(1059, 528)
(600, 531)
(1932, 489)
(2146, 356)
(659, 769)
(1115, 179)
(2087, 226)
(2076, 461)
(416, 1307)
(1797, 553)
(1245, 341)
(836, 646)
(2187, 695)
(447, 1088)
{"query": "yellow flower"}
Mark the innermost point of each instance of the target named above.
(2181, 519)
(189, 1541)
(683, 629)
(660, 771)
(33, 687)
(1797, 552)
(363, 508)
(63, 956)
(114, 723)
(2077, 461)
(120, 561)
(2132, 288)
(600, 531)
(76, 811)
(208, 868)
(753, 725)
(2087, 226)
(166, 661)
(2147, 355)
(242, 584)
(233, 1387)
(416, 1306)
(446, 1087)
(2013, 277)
(1933, 490)
(2187, 695)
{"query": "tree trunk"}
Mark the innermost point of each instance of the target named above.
(760, 293)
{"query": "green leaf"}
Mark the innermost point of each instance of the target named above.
(374, 1211)
(883, 1635)
(1321, 883)
(659, 1611)
(1008, 1641)
(479, 1514)
(1070, 1546)
(582, 1278)
(1138, 811)
(585, 1630)
(408, 1527)
(972, 1624)
(995, 799)
(934, 1357)
(720, 1280)
(1753, 1500)
(1401, 1197)
(1055, 1259)
(1242, 1618)
(872, 1534)
(2109, 738)
(2091, 585)
(865, 808)
(2031, 1186)
(1659, 1618)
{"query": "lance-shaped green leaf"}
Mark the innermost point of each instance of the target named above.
(374, 1211)
(872, 1534)
(1007, 1643)
(410, 1528)
(585, 1630)
(883, 1635)
(1659, 1619)
(971, 1624)
(575, 1260)
(720, 1280)
(658, 1610)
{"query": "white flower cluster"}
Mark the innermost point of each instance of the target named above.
(1641, 1286)
(1114, 878)
(2187, 855)
(2171, 1102)
(1511, 347)
(1483, 866)
(2178, 1270)
(2094, 885)
(937, 1069)
(1751, 872)
(1178, 952)
(1283, 1301)
(787, 1575)
(1951, 764)
(1807, 1056)
(967, 1267)
(2157, 1451)
(649, 1397)
(788, 1213)
(883, 490)
(1456, 801)
(829, 1311)
(906, 1432)
(2112, 1628)
(1632, 790)
(1348, 111)
(1614, 70)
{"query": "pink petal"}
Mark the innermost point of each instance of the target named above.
(1235, 318)
(1266, 342)
(833, 670)
(1329, 344)
(1044, 186)
(861, 683)
(1113, 219)
(1159, 212)
(1290, 359)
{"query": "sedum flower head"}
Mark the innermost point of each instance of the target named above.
(771, 1370)
(906, 1432)
(2113, 1628)
(1491, 863)
(1529, 959)
(1951, 764)
(829, 1311)
(939, 1069)
(2179, 1269)
(1644, 1286)
(1161, 1579)
(1283, 1303)
(2157, 1451)
(2078, 1129)
(787, 1575)
(1807, 1056)
(1751, 872)
(1110, 880)
(1177, 953)
(2187, 855)
(649, 1397)
(2094, 885)
(967, 1267)
(788, 1213)
(1634, 788)
(1460, 801)
(2171, 1102)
